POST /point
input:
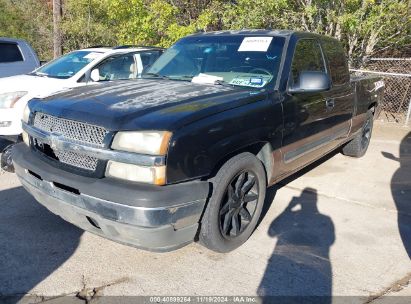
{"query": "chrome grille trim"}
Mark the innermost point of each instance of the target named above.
(72, 130)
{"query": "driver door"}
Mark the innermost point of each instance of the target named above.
(307, 123)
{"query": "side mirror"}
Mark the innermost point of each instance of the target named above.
(310, 81)
(95, 75)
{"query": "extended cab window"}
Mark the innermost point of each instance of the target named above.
(10, 52)
(307, 58)
(337, 62)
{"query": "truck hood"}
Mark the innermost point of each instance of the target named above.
(35, 85)
(145, 103)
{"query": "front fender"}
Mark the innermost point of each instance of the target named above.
(198, 148)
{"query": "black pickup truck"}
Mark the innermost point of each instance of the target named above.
(187, 152)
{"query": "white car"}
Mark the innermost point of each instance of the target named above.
(78, 68)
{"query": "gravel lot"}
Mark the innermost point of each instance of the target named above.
(343, 228)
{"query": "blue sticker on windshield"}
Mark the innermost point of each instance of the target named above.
(256, 81)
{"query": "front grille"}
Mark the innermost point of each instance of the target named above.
(74, 131)
(70, 129)
(78, 160)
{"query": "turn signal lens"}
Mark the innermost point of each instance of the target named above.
(26, 114)
(150, 175)
(26, 138)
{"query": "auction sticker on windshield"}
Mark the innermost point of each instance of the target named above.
(255, 44)
(255, 82)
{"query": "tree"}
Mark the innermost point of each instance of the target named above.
(364, 26)
(57, 12)
(30, 20)
(86, 23)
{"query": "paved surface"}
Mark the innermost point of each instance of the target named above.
(342, 228)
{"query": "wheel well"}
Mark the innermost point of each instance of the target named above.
(262, 150)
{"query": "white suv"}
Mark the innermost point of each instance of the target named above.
(79, 68)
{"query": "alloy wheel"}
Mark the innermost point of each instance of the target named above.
(239, 204)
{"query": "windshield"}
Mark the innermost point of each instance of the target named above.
(235, 60)
(68, 65)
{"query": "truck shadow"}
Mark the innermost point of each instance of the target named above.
(33, 243)
(401, 190)
(299, 269)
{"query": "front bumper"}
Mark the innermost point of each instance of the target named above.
(145, 216)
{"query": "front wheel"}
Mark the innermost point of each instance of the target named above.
(235, 206)
(359, 144)
(6, 161)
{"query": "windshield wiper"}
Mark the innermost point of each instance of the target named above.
(156, 75)
(223, 83)
(41, 74)
(181, 77)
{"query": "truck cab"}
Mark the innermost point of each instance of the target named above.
(16, 57)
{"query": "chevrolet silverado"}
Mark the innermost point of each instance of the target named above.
(187, 152)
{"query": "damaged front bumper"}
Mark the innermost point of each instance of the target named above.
(145, 216)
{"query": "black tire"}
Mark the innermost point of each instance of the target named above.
(231, 214)
(6, 161)
(359, 144)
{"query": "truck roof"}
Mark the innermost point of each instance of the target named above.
(126, 48)
(264, 32)
(121, 49)
(14, 40)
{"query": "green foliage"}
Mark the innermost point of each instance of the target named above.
(86, 23)
(366, 27)
(30, 20)
(9, 20)
(256, 14)
(156, 22)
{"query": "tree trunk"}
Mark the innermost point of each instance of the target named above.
(57, 13)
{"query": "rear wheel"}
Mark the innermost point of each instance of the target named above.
(235, 206)
(359, 144)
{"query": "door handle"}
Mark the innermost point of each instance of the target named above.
(330, 103)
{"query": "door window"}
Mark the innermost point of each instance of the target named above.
(337, 62)
(117, 68)
(10, 52)
(307, 58)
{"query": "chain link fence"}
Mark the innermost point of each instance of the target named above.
(396, 105)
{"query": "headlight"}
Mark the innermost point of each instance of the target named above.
(26, 114)
(151, 175)
(145, 142)
(8, 100)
